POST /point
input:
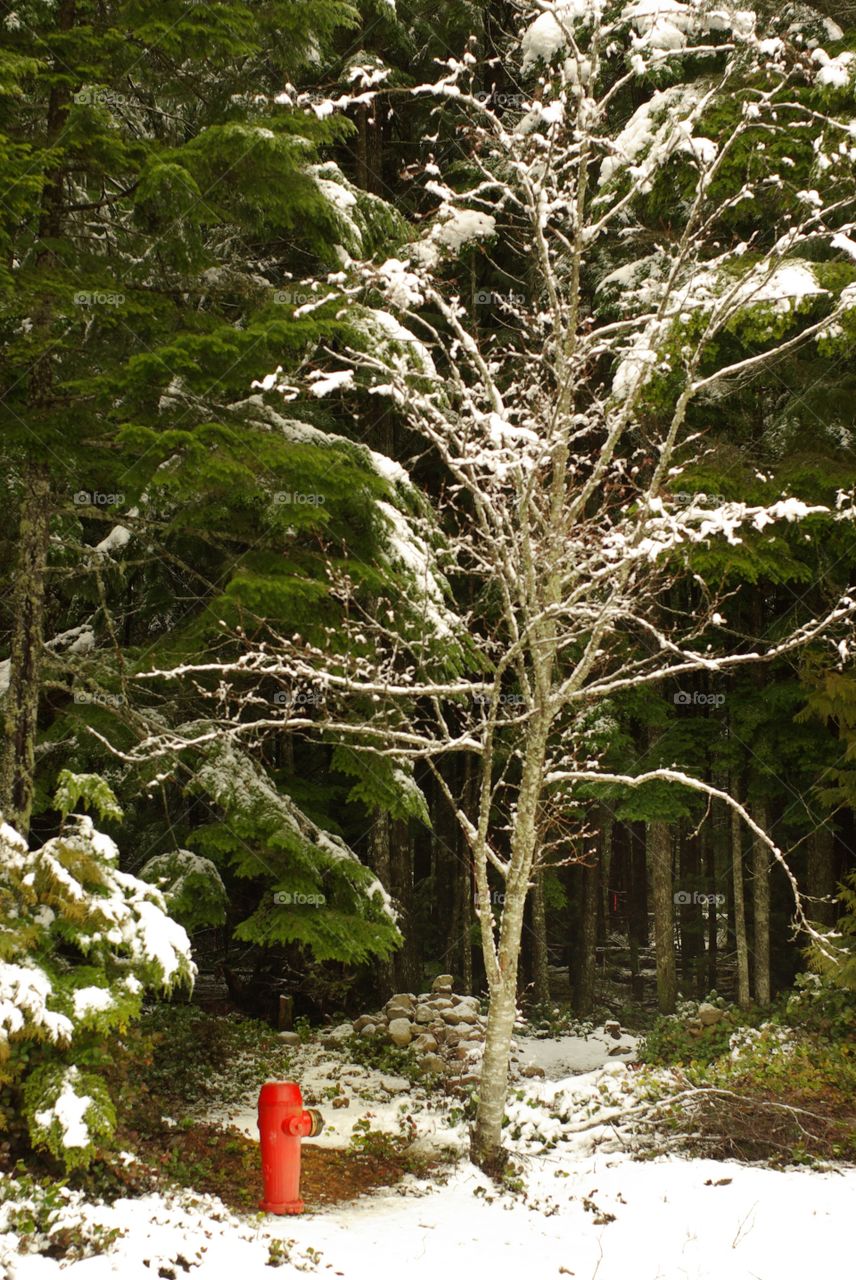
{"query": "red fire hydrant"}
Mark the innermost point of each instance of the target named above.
(283, 1121)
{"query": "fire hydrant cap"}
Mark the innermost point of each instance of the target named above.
(280, 1093)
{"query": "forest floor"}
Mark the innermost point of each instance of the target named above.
(388, 1186)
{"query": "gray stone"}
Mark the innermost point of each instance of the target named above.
(289, 1037)
(424, 1014)
(533, 1071)
(400, 1031)
(465, 1013)
(708, 1014)
(425, 1043)
(401, 1006)
(364, 1020)
(454, 1017)
(433, 1063)
(443, 983)
(370, 1029)
(466, 1080)
(613, 1029)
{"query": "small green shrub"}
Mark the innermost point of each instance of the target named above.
(41, 1213)
(191, 885)
(178, 1056)
(382, 1055)
(676, 1039)
(80, 942)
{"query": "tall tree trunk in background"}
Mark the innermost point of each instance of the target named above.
(607, 837)
(821, 875)
(17, 777)
(638, 933)
(381, 863)
(761, 904)
(369, 150)
(466, 879)
(406, 962)
(582, 987)
(20, 719)
(660, 862)
(691, 912)
(637, 882)
(743, 998)
(457, 882)
(465, 947)
(709, 860)
(540, 958)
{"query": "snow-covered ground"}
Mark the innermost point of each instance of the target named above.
(383, 1099)
(586, 1209)
(375, 1096)
(569, 1054)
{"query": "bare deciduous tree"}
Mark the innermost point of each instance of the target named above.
(562, 429)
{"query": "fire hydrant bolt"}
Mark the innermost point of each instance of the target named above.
(283, 1122)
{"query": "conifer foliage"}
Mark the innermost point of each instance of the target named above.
(82, 941)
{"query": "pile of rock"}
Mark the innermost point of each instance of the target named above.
(707, 1015)
(445, 1030)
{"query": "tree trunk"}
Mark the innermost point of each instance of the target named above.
(709, 859)
(586, 940)
(486, 1144)
(381, 863)
(502, 962)
(821, 876)
(743, 998)
(17, 778)
(660, 859)
(406, 962)
(691, 913)
(607, 836)
(540, 959)
(761, 901)
(637, 883)
(18, 763)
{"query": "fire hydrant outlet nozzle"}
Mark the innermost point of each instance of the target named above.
(316, 1122)
(283, 1123)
